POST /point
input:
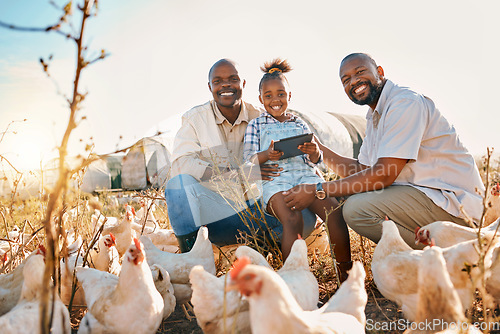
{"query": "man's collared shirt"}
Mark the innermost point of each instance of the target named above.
(407, 125)
(207, 138)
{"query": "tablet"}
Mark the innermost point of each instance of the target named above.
(289, 145)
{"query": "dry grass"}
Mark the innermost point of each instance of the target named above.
(28, 215)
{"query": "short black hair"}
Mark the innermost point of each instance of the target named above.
(359, 54)
(221, 62)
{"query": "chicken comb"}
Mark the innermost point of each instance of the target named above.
(133, 211)
(386, 218)
(42, 249)
(137, 244)
(112, 237)
(4, 258)
(238, 266)
(299, 236)
(495, 190)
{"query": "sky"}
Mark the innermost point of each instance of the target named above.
(160, 53)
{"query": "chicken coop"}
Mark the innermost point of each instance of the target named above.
(146, 164)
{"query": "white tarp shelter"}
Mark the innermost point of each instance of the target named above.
(97, 177)
(343, 133)
(146, 164)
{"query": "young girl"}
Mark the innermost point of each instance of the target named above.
(278, 123)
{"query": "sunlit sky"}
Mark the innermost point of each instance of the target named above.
(160, 53)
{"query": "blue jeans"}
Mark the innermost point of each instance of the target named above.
(191, 205)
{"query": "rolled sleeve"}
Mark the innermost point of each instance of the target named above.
(404, 128)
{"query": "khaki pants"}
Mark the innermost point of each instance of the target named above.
(407, 206)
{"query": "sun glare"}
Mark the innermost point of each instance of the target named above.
(29, 149)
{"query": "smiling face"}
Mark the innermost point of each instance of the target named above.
(226, 85)
(362, 80)
(274, 95)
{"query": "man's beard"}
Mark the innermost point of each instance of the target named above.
(375, 91)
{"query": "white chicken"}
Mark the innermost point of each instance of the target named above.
(395, 269)
(145, 214)
(273, 309)
(179, 265)
(254, 256)
(15, 238)
(295, 272)
(445, 233)
(105, 256)
(351, 297)
(129, 303)
(493, 281)
(162, 282)
(11, 284)
(97, 219)
(25, 316)
(123, 232)
(216, 310)
(163, 239)
(438, 302)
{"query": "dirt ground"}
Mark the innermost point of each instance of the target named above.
(378, 309)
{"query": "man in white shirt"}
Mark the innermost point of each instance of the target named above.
(412, 167)
(206, 156)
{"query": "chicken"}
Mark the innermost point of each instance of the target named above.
(25, 316)
(122, 232)
(351, 297)
(254, 256)
(444, 234)
(493, 203)
(161, 279)
(273, 309)
(438, 302)
(299, 278)
(97, 219)
(15, 238)
(145, 214)
(493, 281)
(295, 272)
(395, 269)
(179, 265)
(11, 284)
(216, 310)
(105, 256)
(68, 266)
(163, 239)
(129, 303)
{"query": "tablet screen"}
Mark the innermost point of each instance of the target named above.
(289, 145)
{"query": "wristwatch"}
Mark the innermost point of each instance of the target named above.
(320, 193)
